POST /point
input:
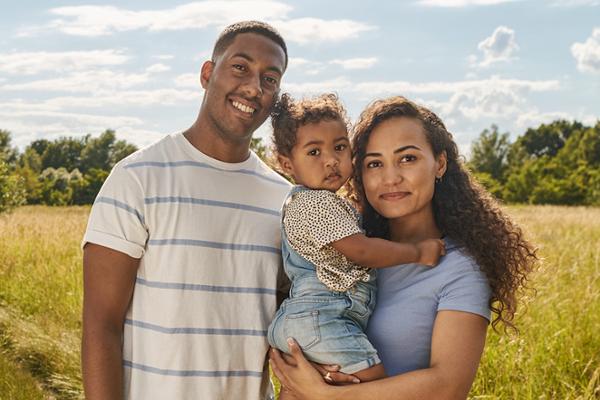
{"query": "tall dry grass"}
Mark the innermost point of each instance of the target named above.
(555, 356)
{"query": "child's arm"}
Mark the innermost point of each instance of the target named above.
(381, 253)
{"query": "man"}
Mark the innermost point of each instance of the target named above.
(181, 252)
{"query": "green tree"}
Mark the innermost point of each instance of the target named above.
(12, 193)
(8, 154)
(64, 152)
(104, 151)
(489, 152)
(56, 190)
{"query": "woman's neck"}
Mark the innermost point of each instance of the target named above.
(414, 227)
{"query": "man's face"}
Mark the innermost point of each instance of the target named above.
(242, 84)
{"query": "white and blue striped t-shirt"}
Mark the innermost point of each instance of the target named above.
(208, 236)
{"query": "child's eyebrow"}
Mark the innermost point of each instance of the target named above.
(313, 142)
(342, 138)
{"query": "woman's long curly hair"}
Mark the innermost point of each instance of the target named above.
(463, 210)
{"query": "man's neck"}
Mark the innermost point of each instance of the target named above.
(208, 141)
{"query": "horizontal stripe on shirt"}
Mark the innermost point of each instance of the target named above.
(120, 204)
(204, 288)
(208, 374)
(196, 331)
(174, 164)
(215, 203)
(214, 245)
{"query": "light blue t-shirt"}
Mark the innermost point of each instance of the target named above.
(408, 299)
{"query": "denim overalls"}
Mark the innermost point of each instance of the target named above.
(328, 325)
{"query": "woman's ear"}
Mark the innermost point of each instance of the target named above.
(442, 164)
(286, 165)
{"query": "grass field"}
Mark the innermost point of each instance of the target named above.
(555, 356)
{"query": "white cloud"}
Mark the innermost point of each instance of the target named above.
(575, 3)
(188, 80)
(355, 63)
(311, 30)
(105, 20)
(156, 68)
(83, 82)
(587, 53)
(307, 67)
(461, 3)
(164, 57)
(499, 47)
(29, 63)
(91, 20)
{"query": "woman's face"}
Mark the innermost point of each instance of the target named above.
(399, 169)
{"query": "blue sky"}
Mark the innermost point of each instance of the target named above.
(73, 67)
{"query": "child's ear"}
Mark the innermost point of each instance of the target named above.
(286, 165)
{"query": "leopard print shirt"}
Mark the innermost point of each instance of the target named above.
(312, 220)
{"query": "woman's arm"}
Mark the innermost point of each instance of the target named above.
(380, 253)
(456, 347)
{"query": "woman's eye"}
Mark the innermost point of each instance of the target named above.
(314, 152)
(407, 158)
(373, 164)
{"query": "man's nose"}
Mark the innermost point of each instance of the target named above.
(252, 87)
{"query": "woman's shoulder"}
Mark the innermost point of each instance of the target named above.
(458, 261)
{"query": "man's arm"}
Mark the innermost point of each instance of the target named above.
(108, 281)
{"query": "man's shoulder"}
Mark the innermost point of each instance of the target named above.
(160, 151)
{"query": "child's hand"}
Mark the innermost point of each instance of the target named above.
(430, 251)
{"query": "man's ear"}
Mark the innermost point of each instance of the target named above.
(286, 165)
(206, 72)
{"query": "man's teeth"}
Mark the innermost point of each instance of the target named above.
(242, 107)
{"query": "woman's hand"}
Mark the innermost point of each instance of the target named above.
(300, 378)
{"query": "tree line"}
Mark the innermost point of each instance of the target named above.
(555, 163)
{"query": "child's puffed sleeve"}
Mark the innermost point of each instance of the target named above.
(117, 217)
(319, 217)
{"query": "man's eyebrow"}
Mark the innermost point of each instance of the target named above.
(250, 59)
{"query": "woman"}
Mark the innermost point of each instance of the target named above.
(429, 325)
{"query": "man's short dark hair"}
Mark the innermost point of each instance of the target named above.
(261, 28)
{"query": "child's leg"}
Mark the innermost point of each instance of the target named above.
(371, 374)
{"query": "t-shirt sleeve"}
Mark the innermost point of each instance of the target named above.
(117, 216)
(320, 215)
(467, 290)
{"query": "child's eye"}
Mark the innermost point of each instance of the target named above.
(314, 152)
(341, 147)
(374, 164)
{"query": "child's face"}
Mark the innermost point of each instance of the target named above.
(321, 158)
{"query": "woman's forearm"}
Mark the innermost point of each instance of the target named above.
(430, 383)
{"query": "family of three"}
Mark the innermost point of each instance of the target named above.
(390, 260)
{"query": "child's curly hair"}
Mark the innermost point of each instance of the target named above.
(288, 115)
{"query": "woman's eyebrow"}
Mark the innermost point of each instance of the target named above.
(403, 148)
(398, 150)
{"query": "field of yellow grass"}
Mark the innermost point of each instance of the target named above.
(555, 356)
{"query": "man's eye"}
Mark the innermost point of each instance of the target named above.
(271, 81)
(239, 67)
(314, 152)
